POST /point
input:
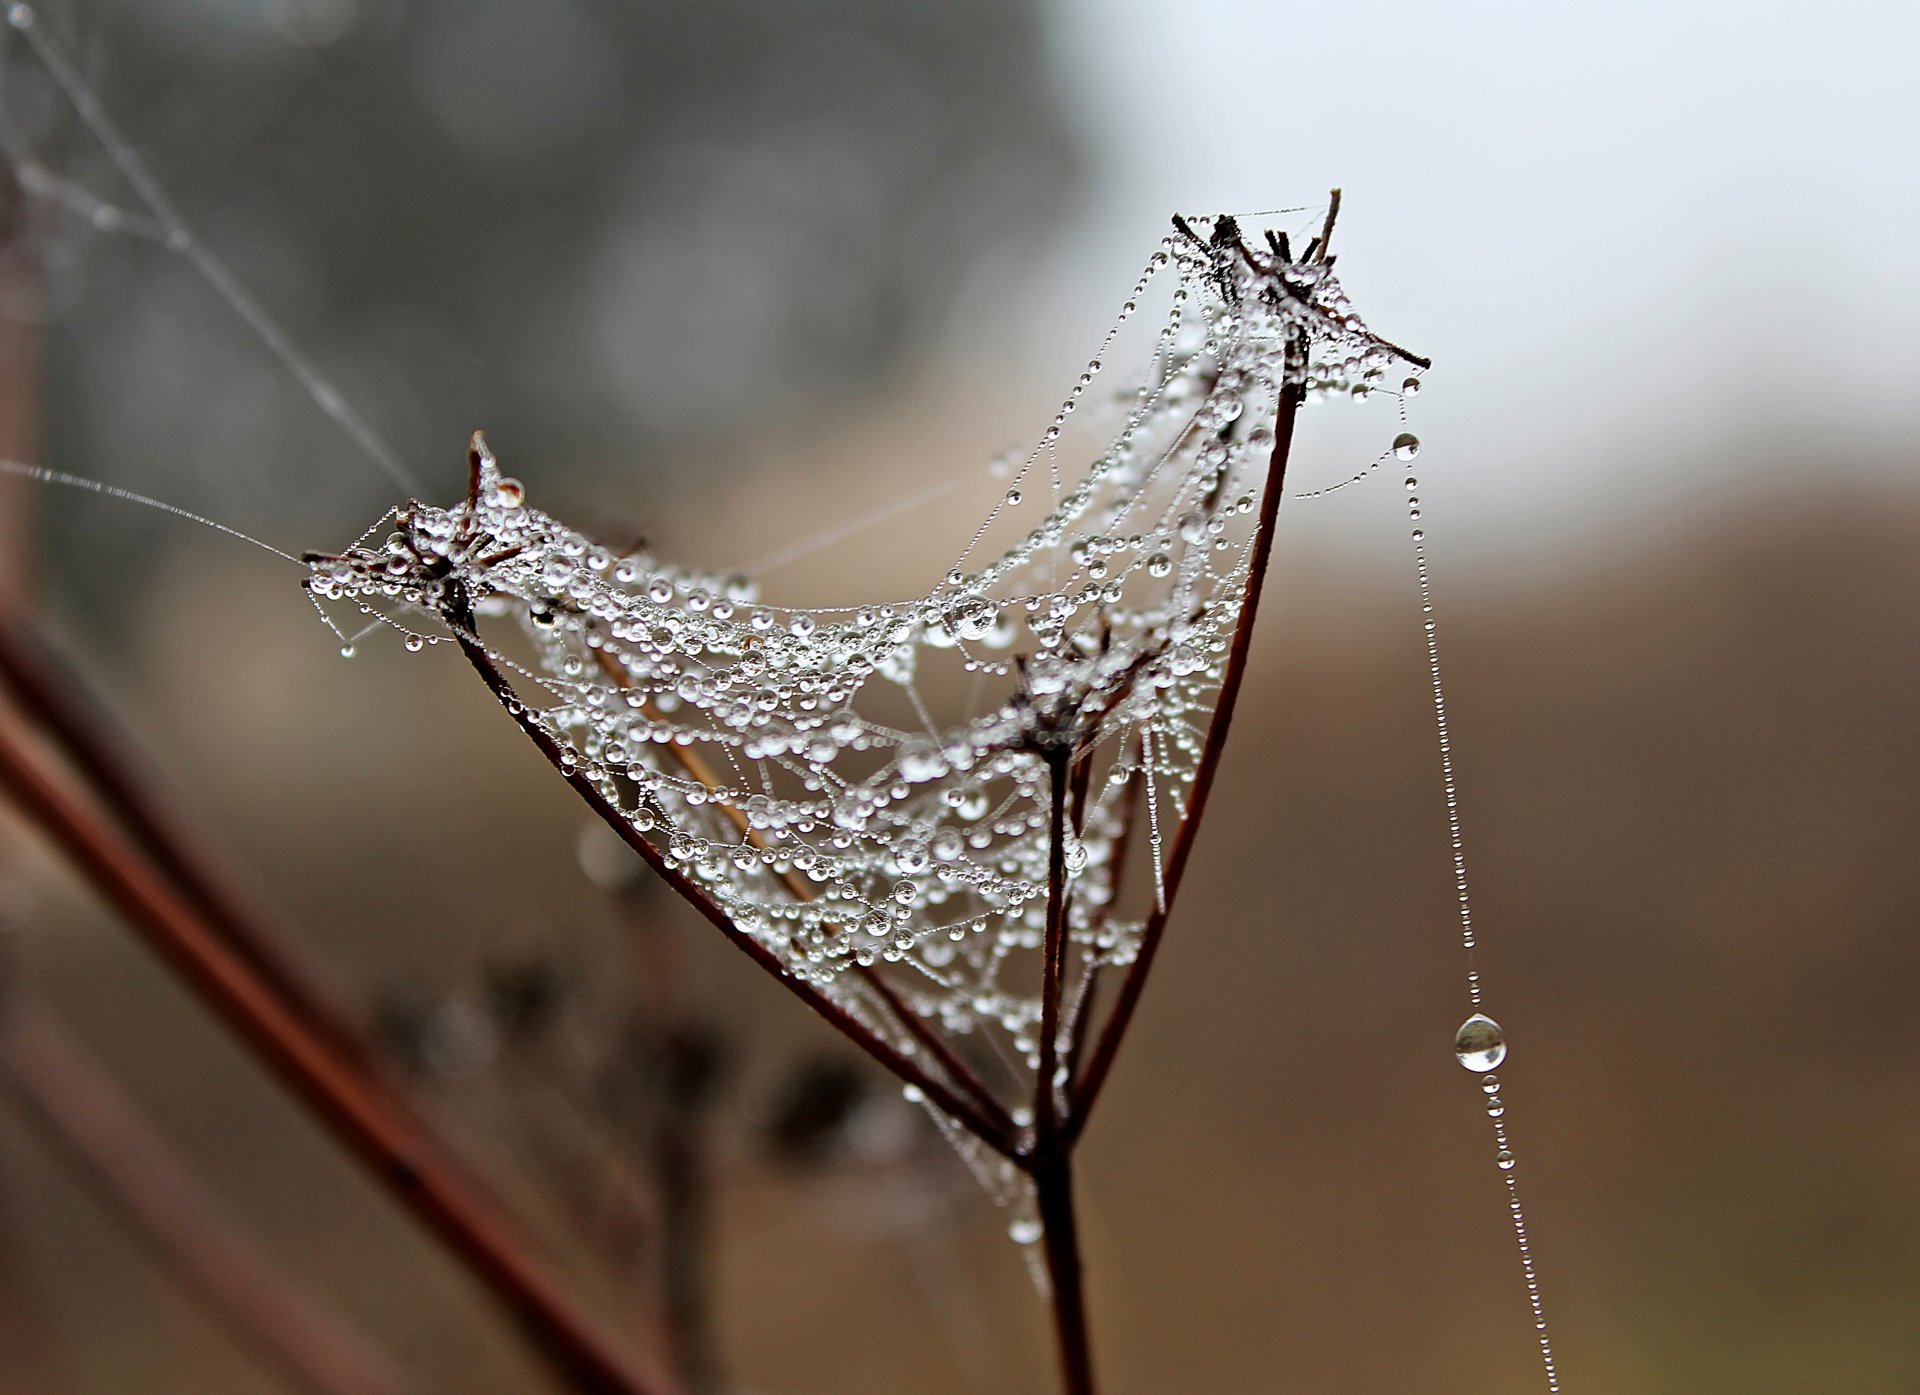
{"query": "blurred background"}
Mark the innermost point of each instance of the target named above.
(727, 275)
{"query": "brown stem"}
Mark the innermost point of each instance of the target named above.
(937, 1046)
(1051, 1163)
(962, 1111)
(1052, 1173)
(1046, 1090)
(1087, 1094)
(61, 704)
(1081, 1023)
(686, 1242)
(76, 1107)
(388, 1142)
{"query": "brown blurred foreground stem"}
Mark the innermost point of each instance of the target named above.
(74, 1105)
(359, 1112)
(55, 699)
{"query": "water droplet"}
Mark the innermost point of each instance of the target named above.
(1480, 1045)
(1411, 387)
(346, 651)
(415, 644)
(1159, 564)
(1503, 1160)
(1013, 496)
(1406, 445)
(1025, 1230)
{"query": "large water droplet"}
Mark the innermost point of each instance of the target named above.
(1411, 387)
(1406, 445)
(1480, 1045)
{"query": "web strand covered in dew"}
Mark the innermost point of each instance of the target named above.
(163, 223)
(788, 760)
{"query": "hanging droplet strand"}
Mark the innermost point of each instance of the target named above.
(1480, 1044)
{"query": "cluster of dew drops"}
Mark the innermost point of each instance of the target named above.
(787, 761)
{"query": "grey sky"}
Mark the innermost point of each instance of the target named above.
(1616, 227)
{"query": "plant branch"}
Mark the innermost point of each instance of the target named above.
(1051, 1163)
(388, 1142)
(1046, 1090)
(1052, 1173)
(1087, 1093)
(1080, 1024)
(74, 1105)
(57, 701)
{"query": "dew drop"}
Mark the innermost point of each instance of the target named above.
(1013, 496)
(1406, 445)
(346, 651)
(1025, 1230)
(1503, 1160)
(414, 644)
(1480, 1045)
(1411, 387)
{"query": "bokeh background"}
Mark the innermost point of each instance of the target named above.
(725, 275)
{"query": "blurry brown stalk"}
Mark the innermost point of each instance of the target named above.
(54, 698)
(74, 1105)
(283, 1031)
(673, 1143)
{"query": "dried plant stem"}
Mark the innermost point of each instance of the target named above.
(1100, 1063)
(74, 1105)
(1052, 1172)
(680, 1172)
(1050, 1162)
(58, 702)
(389, 1142)
(970, 1117)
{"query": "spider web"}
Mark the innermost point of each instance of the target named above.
(858, 786)
(865, 789)
(868, 788)
(790, 761)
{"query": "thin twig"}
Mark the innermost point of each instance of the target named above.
(389, 1143)
(1081, 1022)
(1046, 1092)
(859, 1033)
(1087, 1092)
(76, 1107)
(1051, 1163)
